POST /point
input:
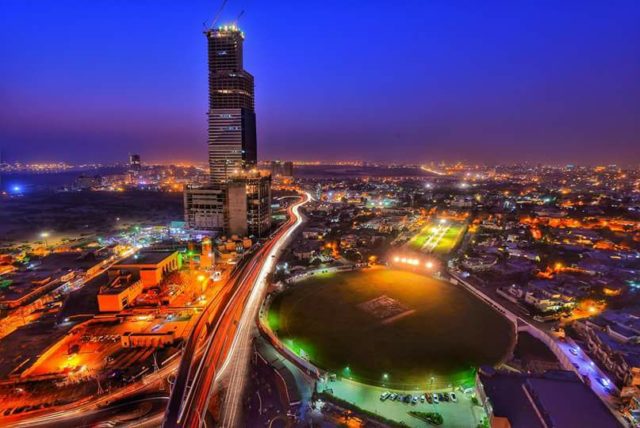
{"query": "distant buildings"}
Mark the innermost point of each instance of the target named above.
(135, 165)
(238, 198)
(87, 182)
(282, 168)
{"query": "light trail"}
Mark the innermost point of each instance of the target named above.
(196, 379)
(238, 357)
(432, 171)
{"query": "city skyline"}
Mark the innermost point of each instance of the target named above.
(478, 83)
(417, 213)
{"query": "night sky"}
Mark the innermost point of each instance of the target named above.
(556, 81)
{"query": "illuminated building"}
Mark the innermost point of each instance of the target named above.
(151, 266)
(232, 119)
(237, 200)
(122, 289)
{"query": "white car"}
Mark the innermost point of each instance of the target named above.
(436, 400)
(453, 397)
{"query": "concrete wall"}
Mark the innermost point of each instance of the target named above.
(551, 344)
(237, 209)
(455, 279)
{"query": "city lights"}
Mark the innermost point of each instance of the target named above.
(413, 261)
(405, 251)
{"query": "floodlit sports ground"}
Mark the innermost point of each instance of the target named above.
(414, 329)
(439, 236)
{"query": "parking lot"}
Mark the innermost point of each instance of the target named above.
(461, 413)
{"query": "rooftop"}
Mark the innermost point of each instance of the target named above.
(119, 283)
(553, 396)
(145, 258)
(19, 283)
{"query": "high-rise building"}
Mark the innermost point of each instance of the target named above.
(237, 200)
(135, 165)
(249, 204)
(232, 118)
(204, 207)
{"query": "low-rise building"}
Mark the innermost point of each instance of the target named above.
(151, 266)
(122, 289)
(554, 399)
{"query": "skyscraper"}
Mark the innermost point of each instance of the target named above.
(135, 164)
(232, 118)
(237, 200)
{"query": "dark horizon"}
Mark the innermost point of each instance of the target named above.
(550, 83)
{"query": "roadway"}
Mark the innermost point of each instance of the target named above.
(235, 370)
(142, 411)
(206, 350)
(227, 326)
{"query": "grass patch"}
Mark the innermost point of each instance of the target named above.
(434, 418)
(446, 335)
(443, 243)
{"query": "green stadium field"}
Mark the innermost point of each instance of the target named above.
(424, 329)
(438, 238)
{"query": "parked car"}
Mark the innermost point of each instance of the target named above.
(445, 396)
(393, 396)
(436, 399)
(453, 397)
(429, 398)
(414, 400)
(384, 395)
(422, 398)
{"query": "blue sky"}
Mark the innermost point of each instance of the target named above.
(376, 80)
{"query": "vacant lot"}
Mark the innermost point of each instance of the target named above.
(75, 214)
(423, 328)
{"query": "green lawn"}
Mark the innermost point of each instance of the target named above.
(442, 244)
(446, 337)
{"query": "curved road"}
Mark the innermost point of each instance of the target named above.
(228, 326)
